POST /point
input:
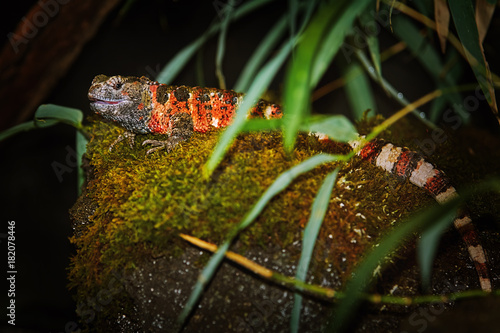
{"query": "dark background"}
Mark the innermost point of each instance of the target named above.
(138, 43)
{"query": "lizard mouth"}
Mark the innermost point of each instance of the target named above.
(105, 101)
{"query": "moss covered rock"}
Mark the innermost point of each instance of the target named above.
(132, 272)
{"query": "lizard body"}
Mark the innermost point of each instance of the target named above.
(143, 106)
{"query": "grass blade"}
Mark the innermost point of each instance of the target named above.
(311, 231)
(398, 96)
(23, 127)
(362, 275)
(45, 116)
(442, 18)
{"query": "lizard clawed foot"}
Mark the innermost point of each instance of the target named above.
(168, 144)
(157, 145)
(126, 135)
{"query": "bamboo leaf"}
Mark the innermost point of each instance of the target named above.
(320, 42)
(434, 215)
(262, 51)
(463, 17)
(51, 112)
(81, 147)
(427, 247)
(311, 231)
(429, 59)
(358, 90)
(364, 273)
(260, 84)
(24, 127)
(221, 45)
(336, 127)
(370, 25)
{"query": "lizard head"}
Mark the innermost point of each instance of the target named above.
(123, 99)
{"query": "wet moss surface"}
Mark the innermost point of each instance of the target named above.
(135, 205)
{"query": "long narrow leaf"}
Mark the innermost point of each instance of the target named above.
(278, 185)
(320, 42)
(462, 12)
(259, 55)
(24, 127)
(260, 84)
(435, 215)
(427, 246)
(311, 232)
(337, 127)
(59, 113)
(363, 274)
(429, 58)
(398, 96)
(368, 23)
(221, 45)
(81, 146)
(358, 90)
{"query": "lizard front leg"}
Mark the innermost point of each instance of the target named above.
(129, 136)
(181, 130)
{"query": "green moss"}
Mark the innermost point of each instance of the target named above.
(144, 202)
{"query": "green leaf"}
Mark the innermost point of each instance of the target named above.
(463, 15)
(262, 52)
(427, 218)
(427, 247)
(81, 147)
(45, 116)
(311, 231)
(221, 45)
(262, 125)
(337, 127)
(51, 112)
(396, 95)
(278, 185)
(370, 26)
(318, 45)
(27, 126)
(363, 274)
(260, 84)
(429, 58)
(439, 104)
(358, 90)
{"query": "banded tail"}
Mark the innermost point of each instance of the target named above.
(406, 164)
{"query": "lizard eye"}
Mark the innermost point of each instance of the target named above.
(116, 82)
